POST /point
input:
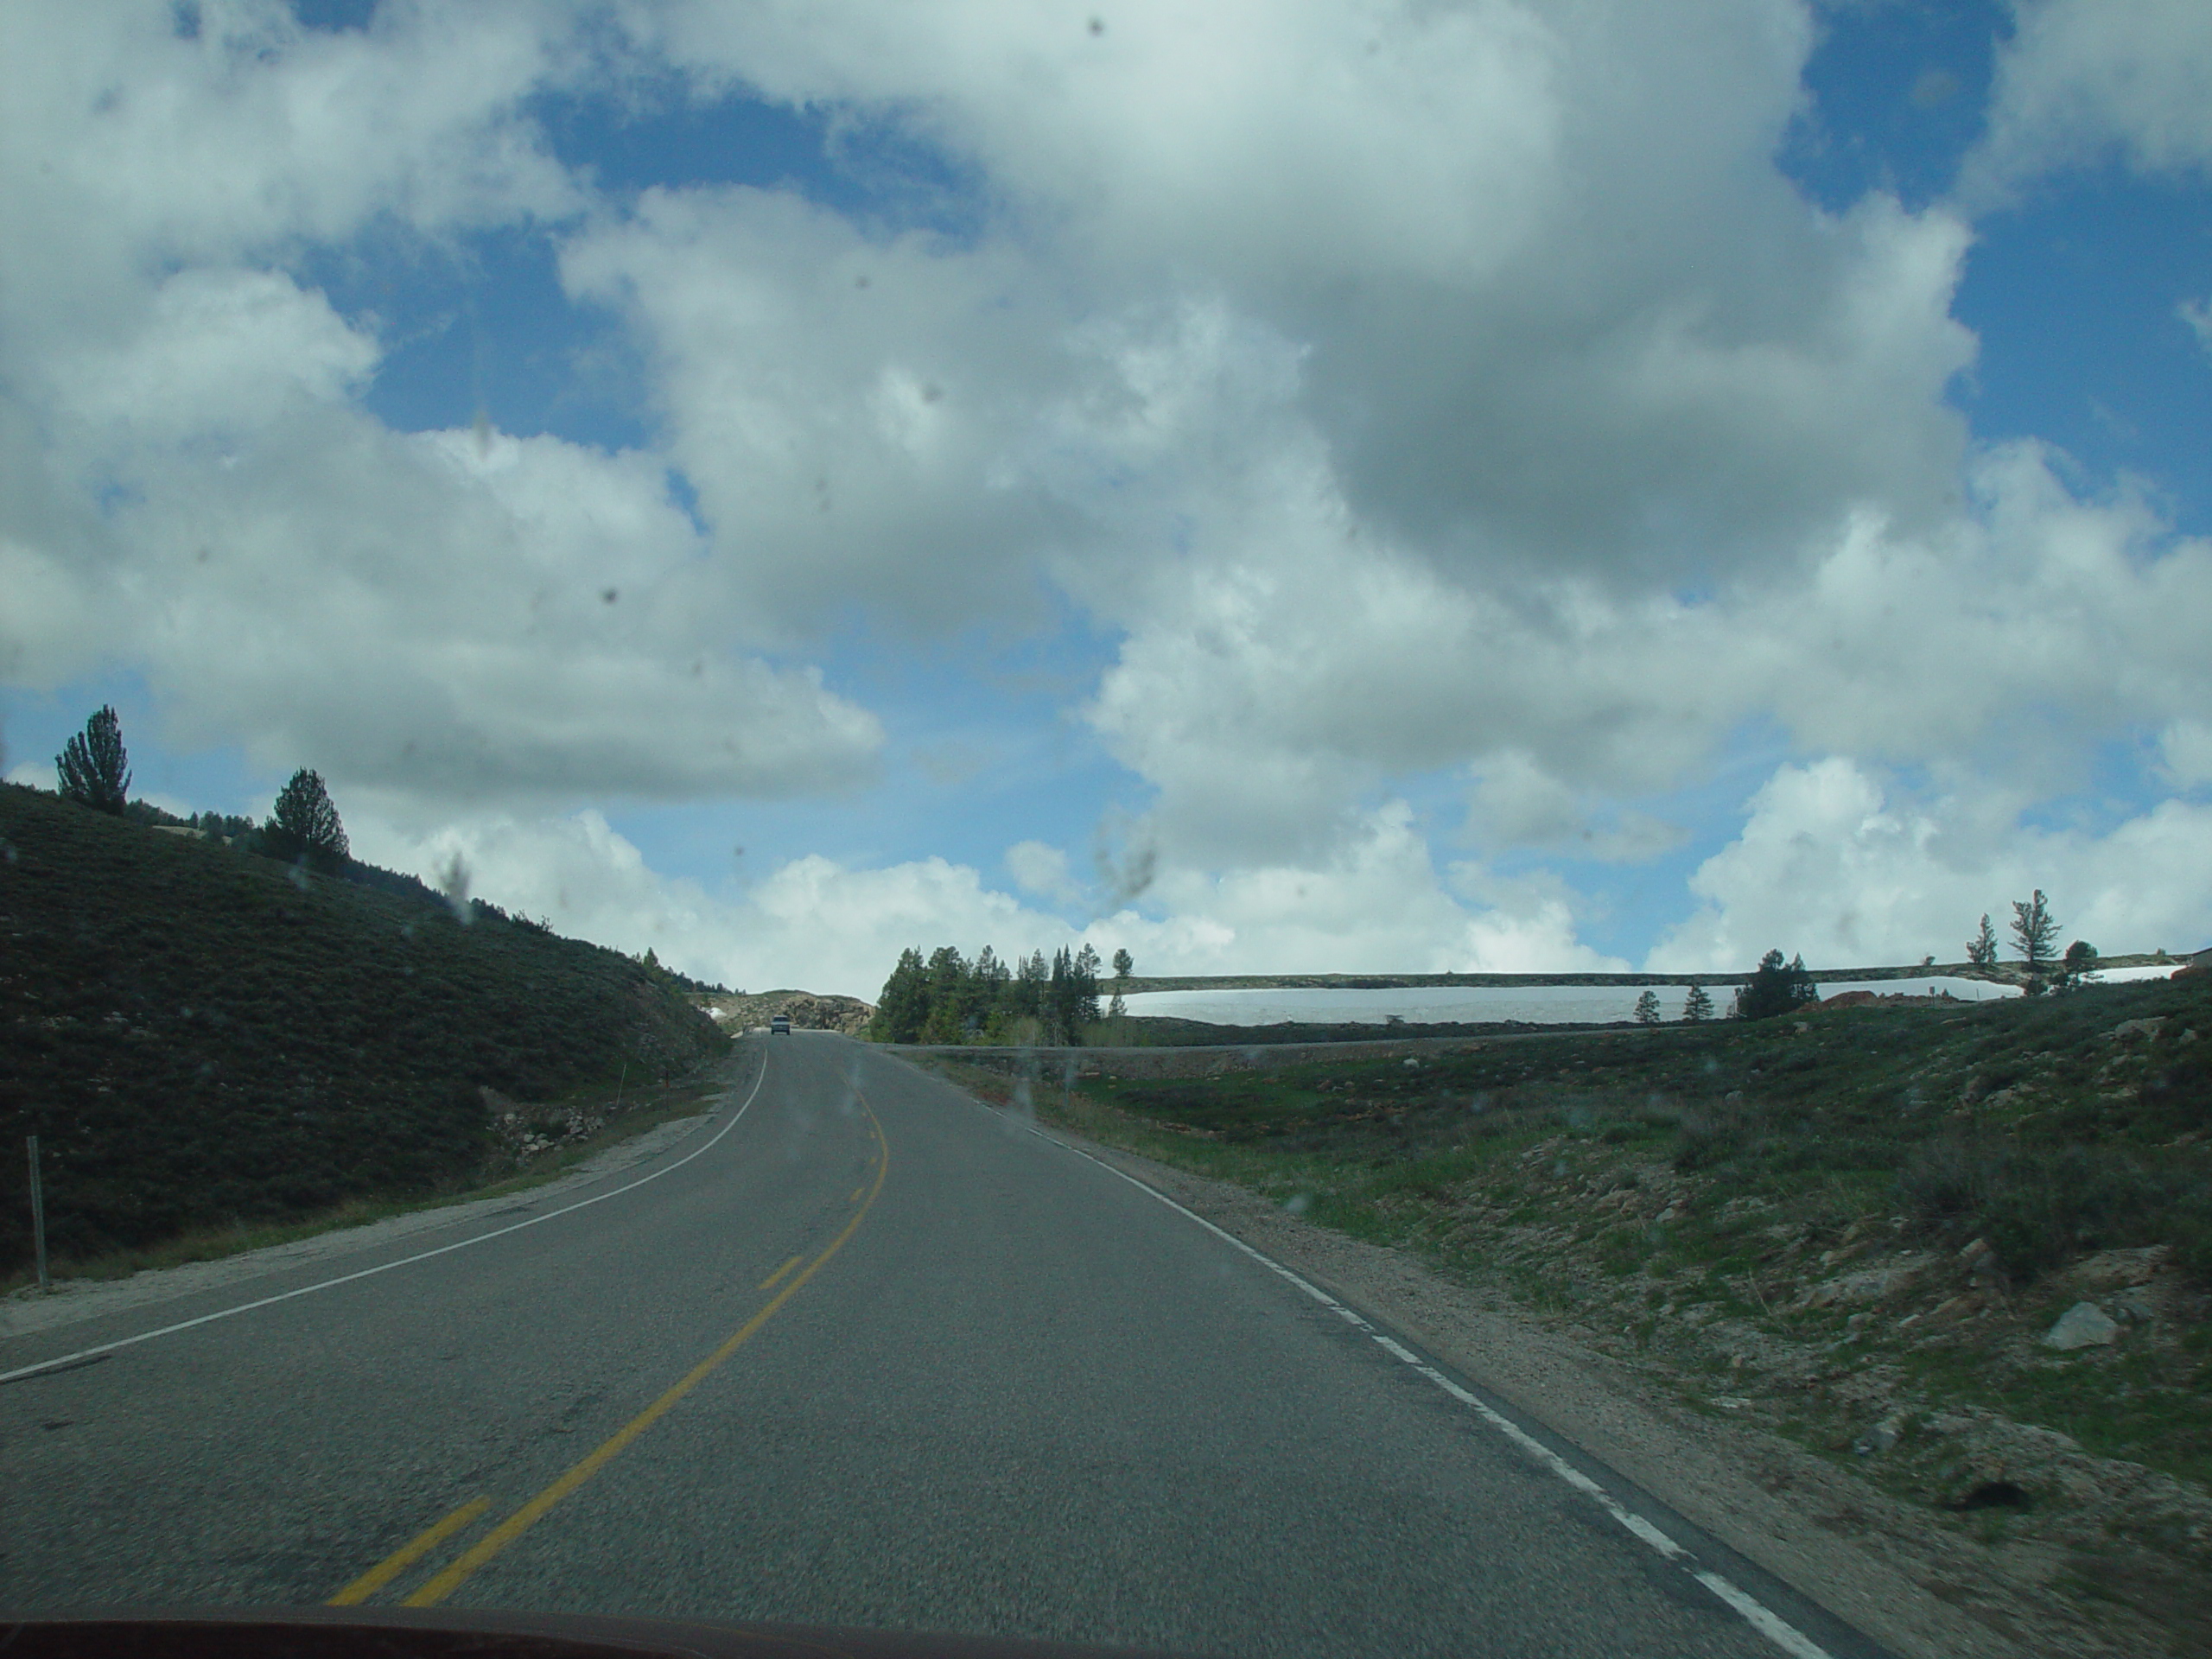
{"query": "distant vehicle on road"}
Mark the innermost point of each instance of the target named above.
(780, 1024)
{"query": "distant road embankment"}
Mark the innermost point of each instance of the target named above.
(2003, 973)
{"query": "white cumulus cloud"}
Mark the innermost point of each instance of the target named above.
(1398, 392)
(1833, 865)
(2084, 80)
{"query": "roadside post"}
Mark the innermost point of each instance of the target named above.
(38, 1213)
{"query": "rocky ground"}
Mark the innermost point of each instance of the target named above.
(1875, 1353)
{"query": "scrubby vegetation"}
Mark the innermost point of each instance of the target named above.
(2029, 1123)
(1776, 988)
(202, 1036)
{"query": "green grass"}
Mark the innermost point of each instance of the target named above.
(206, 1042)
(2146, 1405)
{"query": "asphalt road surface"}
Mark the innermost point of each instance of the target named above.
(860, 1352)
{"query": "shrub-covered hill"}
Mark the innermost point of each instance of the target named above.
(2052, 1126)
(199, 1036)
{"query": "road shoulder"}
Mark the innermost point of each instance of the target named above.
(1919, 1589)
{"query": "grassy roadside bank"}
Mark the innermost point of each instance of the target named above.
(1854, 1228)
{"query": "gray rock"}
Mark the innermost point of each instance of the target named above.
(2135, 1307)
(2082, 1325)
(2117, 1269)
(1869, 1285)
(1880, 1438)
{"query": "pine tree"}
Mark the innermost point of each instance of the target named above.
(903, 1004)
(2035, 931)
(1060, 1011)
(1647, 1008)
(1085, 974)
(305, 824)
(1697, 1007)
(1777, 988)
(1981, 950)
(1027, 997)
(93, 769)
(949, 986)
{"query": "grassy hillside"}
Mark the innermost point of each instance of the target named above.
(2025, 1121)
(199, 1036)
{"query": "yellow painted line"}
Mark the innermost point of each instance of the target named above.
(407, 1554)
(769, 1282)
(530, 1513)
(857, 1191)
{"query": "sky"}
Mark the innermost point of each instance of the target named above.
(1301, 487)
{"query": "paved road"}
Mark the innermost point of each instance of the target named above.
(914, 1367)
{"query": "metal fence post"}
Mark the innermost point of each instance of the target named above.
(38, 1213)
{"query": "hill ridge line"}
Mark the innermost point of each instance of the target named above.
(2002, 974)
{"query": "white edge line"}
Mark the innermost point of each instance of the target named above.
(1762, 1620)
(1754, 1612)
(403, 1262)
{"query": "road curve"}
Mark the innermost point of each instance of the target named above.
(860, 1352)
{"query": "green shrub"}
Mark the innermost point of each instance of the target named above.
(2038, 1206)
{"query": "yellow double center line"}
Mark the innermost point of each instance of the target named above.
(437, 1589)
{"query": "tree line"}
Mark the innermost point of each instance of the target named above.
(1027, 1001)
(1777, 988)
(2035, 937)
(93, 770)
(302, 828)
